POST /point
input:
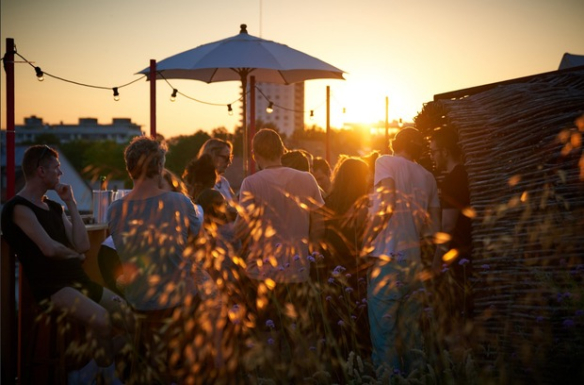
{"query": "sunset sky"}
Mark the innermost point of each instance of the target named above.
(406, 50)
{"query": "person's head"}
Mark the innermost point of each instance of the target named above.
(145, 158)
(171, 182)
(408, 141)
(268, 145)
(200, 174)
(321, 171)
(296, 159)
(350, 182)
(444, 147)
(308, 156)
(42, 161)
(221, 152)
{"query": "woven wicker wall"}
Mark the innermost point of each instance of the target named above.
(528, 233)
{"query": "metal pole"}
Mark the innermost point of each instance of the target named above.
(10, 133)
(153, 98)
(245, 133)
(386, 125)
(10, 352)
(252, 120)
(328, 124)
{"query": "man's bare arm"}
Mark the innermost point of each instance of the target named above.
(28, 222)
(383, 213)
(76, 232)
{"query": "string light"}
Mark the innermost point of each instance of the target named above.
(311, 114)
(39, 74)
(344, 110)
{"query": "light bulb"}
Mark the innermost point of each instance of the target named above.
(270, 108)
(311, 114)
(229, 110)
(116, 94)
(173, 96)
(39, 74)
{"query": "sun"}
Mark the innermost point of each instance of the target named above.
(359, 103)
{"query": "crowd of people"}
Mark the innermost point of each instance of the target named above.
(283, 280)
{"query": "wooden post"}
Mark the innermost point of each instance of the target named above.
(9, 334)
(153, 98)
(252, 120)
(386, 144)
(328, 125)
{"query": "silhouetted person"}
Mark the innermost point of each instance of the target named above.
(321, 171)
(454, 286)
(405, 211)
(346, 214)
(296, 159)
(277, 224)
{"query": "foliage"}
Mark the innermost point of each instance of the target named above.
(105, 158)
(93, 159)
(181, 149)
(46, 138)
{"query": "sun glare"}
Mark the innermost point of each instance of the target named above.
(361, 103)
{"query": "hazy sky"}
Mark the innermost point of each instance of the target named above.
(406, 50)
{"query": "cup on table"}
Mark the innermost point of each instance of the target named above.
(120, 193)
(101, 201)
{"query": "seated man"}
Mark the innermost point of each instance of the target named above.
(50, 248)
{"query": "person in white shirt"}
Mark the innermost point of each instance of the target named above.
(278, 223)
(406, 210)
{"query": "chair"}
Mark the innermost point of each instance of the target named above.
(110, 268)
(52, 348)
(150, 359)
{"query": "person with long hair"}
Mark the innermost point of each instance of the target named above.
(346, 213)
(221, 153)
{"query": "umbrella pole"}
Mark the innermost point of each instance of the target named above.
(153, 98)
(245, 133)
(252, 120)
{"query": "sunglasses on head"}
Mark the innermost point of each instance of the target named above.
(46, 149)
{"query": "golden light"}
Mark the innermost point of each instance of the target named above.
(450, 255)
(270, 283)
(469, 212)
(514, 180)
(441, 238)
(291, 311)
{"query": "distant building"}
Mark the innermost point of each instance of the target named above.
(288, 108)
(121, 130)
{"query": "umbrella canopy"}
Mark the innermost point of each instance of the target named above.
(241, 56)
(226, 59)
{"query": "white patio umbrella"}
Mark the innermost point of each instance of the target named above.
(241, 56)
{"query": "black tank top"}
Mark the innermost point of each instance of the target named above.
(45, 275)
